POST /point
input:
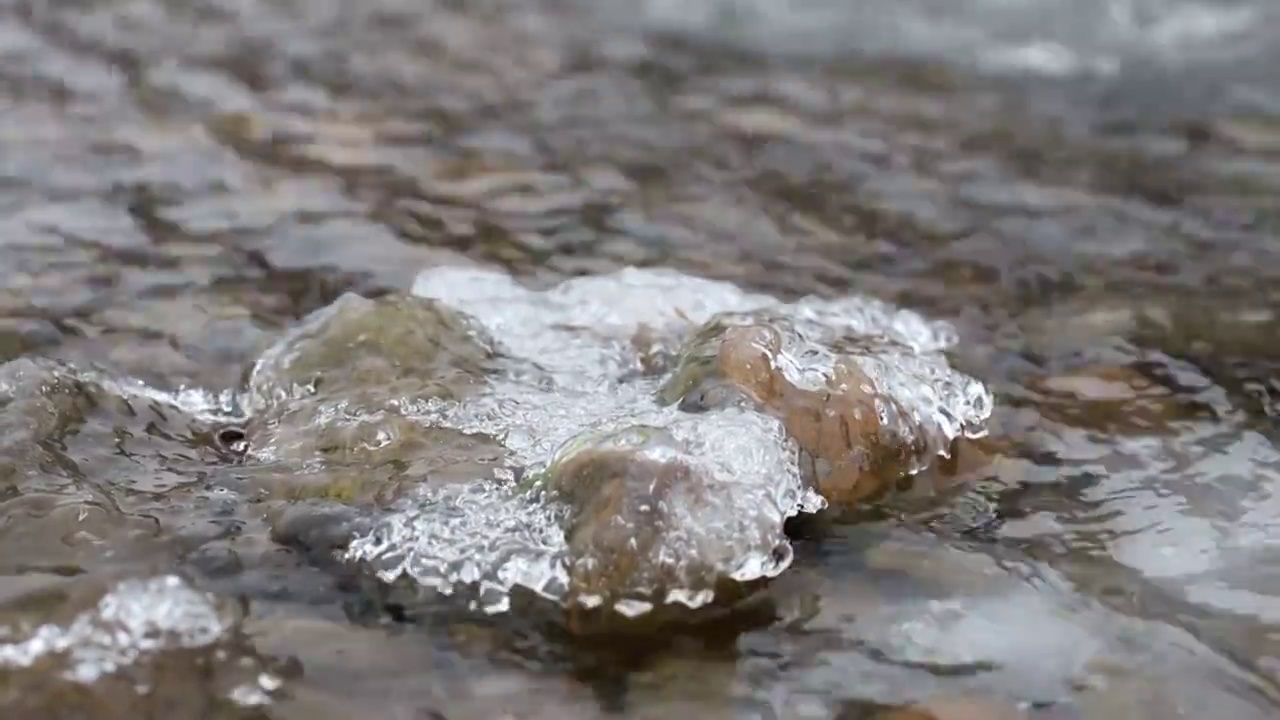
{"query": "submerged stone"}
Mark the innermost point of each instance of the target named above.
(358, 347)
(628, 487)
(646, 524)
(139, 648)
(327, 402)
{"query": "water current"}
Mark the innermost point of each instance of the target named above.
(483, 359)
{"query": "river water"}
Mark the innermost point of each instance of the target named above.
(1086, 192)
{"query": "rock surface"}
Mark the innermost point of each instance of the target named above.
(614, 490)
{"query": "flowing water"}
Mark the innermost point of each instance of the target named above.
(309, 309)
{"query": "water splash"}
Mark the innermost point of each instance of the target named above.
(574, 387)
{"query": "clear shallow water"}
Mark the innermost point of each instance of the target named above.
(183, 183)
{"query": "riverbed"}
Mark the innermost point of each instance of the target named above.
(1084, 192)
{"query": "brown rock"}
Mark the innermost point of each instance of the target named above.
(838, 428)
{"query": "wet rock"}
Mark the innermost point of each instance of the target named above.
(633, 499)
(361, 345)
(346, 454)
(866, 411)
(215, 560)
(315, 526)
(330, 421)
(642, 527)
(137, 648)
(336, 388)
